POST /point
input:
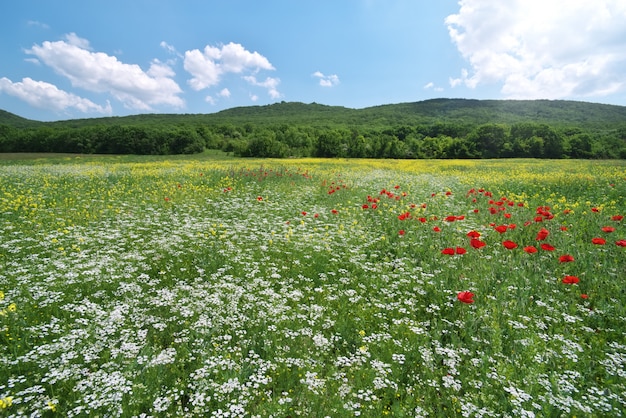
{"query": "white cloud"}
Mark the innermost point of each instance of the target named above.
(99, 72)
(47, 96)
(431, 86)
(38, 24)
(224, 93)
(270, 84)
(326, 80)
(209, 66)
(542, 49)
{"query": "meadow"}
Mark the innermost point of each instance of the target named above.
(192, 286)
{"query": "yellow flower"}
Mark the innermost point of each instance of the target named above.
(1, 295)
(6, 402)
(12, 307)
(52, 406)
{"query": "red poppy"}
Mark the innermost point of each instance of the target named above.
(501, 228)
(334, 211)
(317, 215)
(512, 226)
(448, 251)
(509, 245)
(403, 216)
(465, 297)
(530, 249)
(473, 234)
(450, 218)
(401, 232)
(476, 243)
(259, 198)
(448, 193)
(547, 247)
(303, 213)
(566, 258)
(598, 241)
(460, 250)
(584, 296)
(366, 206)
(621, 243)
(563, 228)
(542, 234)
(608, 229)
(437, 229)
(422, 220)
(570, 280)
(595, 210)
(617, 217)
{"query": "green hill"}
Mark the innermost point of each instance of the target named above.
(438, 128)
(471, 112)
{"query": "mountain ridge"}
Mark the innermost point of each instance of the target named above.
(466, 111)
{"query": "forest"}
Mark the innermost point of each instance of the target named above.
(439, 128)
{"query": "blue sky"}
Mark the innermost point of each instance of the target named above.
(65, 59)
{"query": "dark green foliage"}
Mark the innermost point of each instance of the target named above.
(440, 128)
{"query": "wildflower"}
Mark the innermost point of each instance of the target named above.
(621, 243)
(1, 295)
(12, 307)
(509, 245)
(303, 213)
(542, 234)
(530, 249)
(437, 229)
(477, 244)
(473, 234)
(547, 247)
(570, 280)
(401, 232)
(617, 218)
(448, 251)
(608, 229)
(6, 402)
(334, 211)
(566, 258)
(594, 209)
(598, 241)
(259, 198)
(584, 296)
(460, 250)
(465, 297)
(501, 228)
(365, 206)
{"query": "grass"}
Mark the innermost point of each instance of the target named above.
(203, 286)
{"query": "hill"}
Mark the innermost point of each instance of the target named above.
(465, 111)
(438, 128)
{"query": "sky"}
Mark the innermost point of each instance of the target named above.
(68, 59)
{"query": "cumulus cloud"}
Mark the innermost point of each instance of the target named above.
(270, 84)
(209, 66)
(47, 96)
(326, 80)
(542, 49)
(100, 72)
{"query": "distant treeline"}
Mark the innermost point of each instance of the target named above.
(438, 140)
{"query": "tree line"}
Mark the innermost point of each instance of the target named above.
(435, 140)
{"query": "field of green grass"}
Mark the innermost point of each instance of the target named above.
(221, 287)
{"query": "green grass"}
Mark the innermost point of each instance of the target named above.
(214, 286)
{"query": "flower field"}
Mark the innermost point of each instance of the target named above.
(255, 288)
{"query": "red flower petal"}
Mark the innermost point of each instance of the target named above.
(509, 245)
(570, 280)
(465, 297)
